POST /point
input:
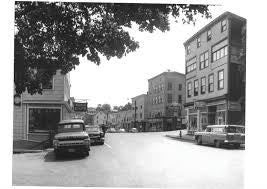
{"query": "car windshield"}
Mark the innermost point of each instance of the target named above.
(233, 129)
(92, 128)
(71, 127)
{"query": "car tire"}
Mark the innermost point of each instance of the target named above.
(217, 144)
(86, 153)
(102, 143)
(199, 140)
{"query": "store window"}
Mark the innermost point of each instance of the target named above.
(43, 119)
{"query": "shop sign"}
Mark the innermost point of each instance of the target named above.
(199, 104)
(80, 107)
(234, 106)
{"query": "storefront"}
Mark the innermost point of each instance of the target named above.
(218, 112)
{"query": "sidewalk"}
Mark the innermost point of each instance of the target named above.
(183, 137)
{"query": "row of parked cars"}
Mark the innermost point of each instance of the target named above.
(121, 130)
(74, 136)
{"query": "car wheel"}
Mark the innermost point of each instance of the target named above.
(199, 140)
(86, 153)
(102, 143)
(57, 154)
(217, 144)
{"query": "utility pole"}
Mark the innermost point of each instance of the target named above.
(135, 114)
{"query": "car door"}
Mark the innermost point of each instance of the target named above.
(206, 135)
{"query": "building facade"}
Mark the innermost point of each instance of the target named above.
(100, 118)
(214, 93)
(166, 95)
(140, 112)
(36, 115)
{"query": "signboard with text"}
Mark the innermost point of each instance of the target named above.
(79, 107)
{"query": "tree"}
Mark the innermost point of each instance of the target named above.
(52, 35)
(104, 107)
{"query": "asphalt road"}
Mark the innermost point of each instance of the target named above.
(135, 160)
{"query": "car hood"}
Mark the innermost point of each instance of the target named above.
(72, 135)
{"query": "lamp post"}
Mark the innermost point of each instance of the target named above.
(135, 114)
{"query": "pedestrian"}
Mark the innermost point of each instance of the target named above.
(180, 134)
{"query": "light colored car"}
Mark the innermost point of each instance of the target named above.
(134, 130)
(71, 137)
(219, 135)
(122, 130)
(112, 130)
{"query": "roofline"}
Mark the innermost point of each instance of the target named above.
(228, 125)
(139, 96)
(165, 73)
(225, 14)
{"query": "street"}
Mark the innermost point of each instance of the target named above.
(135, 160)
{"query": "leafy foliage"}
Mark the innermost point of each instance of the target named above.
(51, 35)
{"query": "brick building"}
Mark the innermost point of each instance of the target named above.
(166, 96)
(214, 92)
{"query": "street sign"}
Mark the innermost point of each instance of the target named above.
(199, 104)
(80, 107)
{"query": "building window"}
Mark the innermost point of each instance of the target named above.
(188, 51)
(141, 115)
(195, 87)
(220, 80)
(189, 89)
(223, 25)
(211, 83)
(141, 106)
(169, 98)
(203, 85)
(220, 53)
(208, 35)
(179, 98)
(169, 86)
(180, 87)
(204, 60)
(198, 42)
(191, 65)
(41, 120)
(48, 85)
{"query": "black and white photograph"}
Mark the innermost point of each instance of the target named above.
(130, 94)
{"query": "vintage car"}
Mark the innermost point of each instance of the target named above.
(134, 130)
(71, 136)
(219, 135)
(96, 134)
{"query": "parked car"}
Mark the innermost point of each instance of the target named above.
(111, 130)
(134, 130)
(96, 134)
(122, 130)
(71, 137)
(222, 135)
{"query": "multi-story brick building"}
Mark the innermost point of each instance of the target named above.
(214, 93)
(38, 114)
(140, 112)
(166, 96)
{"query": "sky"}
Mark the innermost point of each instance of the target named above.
(118, 80)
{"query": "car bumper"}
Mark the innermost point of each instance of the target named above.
(96, 140)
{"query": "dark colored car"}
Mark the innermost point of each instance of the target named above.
(71, 136)
(96, 134)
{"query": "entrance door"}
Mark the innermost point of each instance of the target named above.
(212, 115)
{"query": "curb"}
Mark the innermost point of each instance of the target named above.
(182, 138)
